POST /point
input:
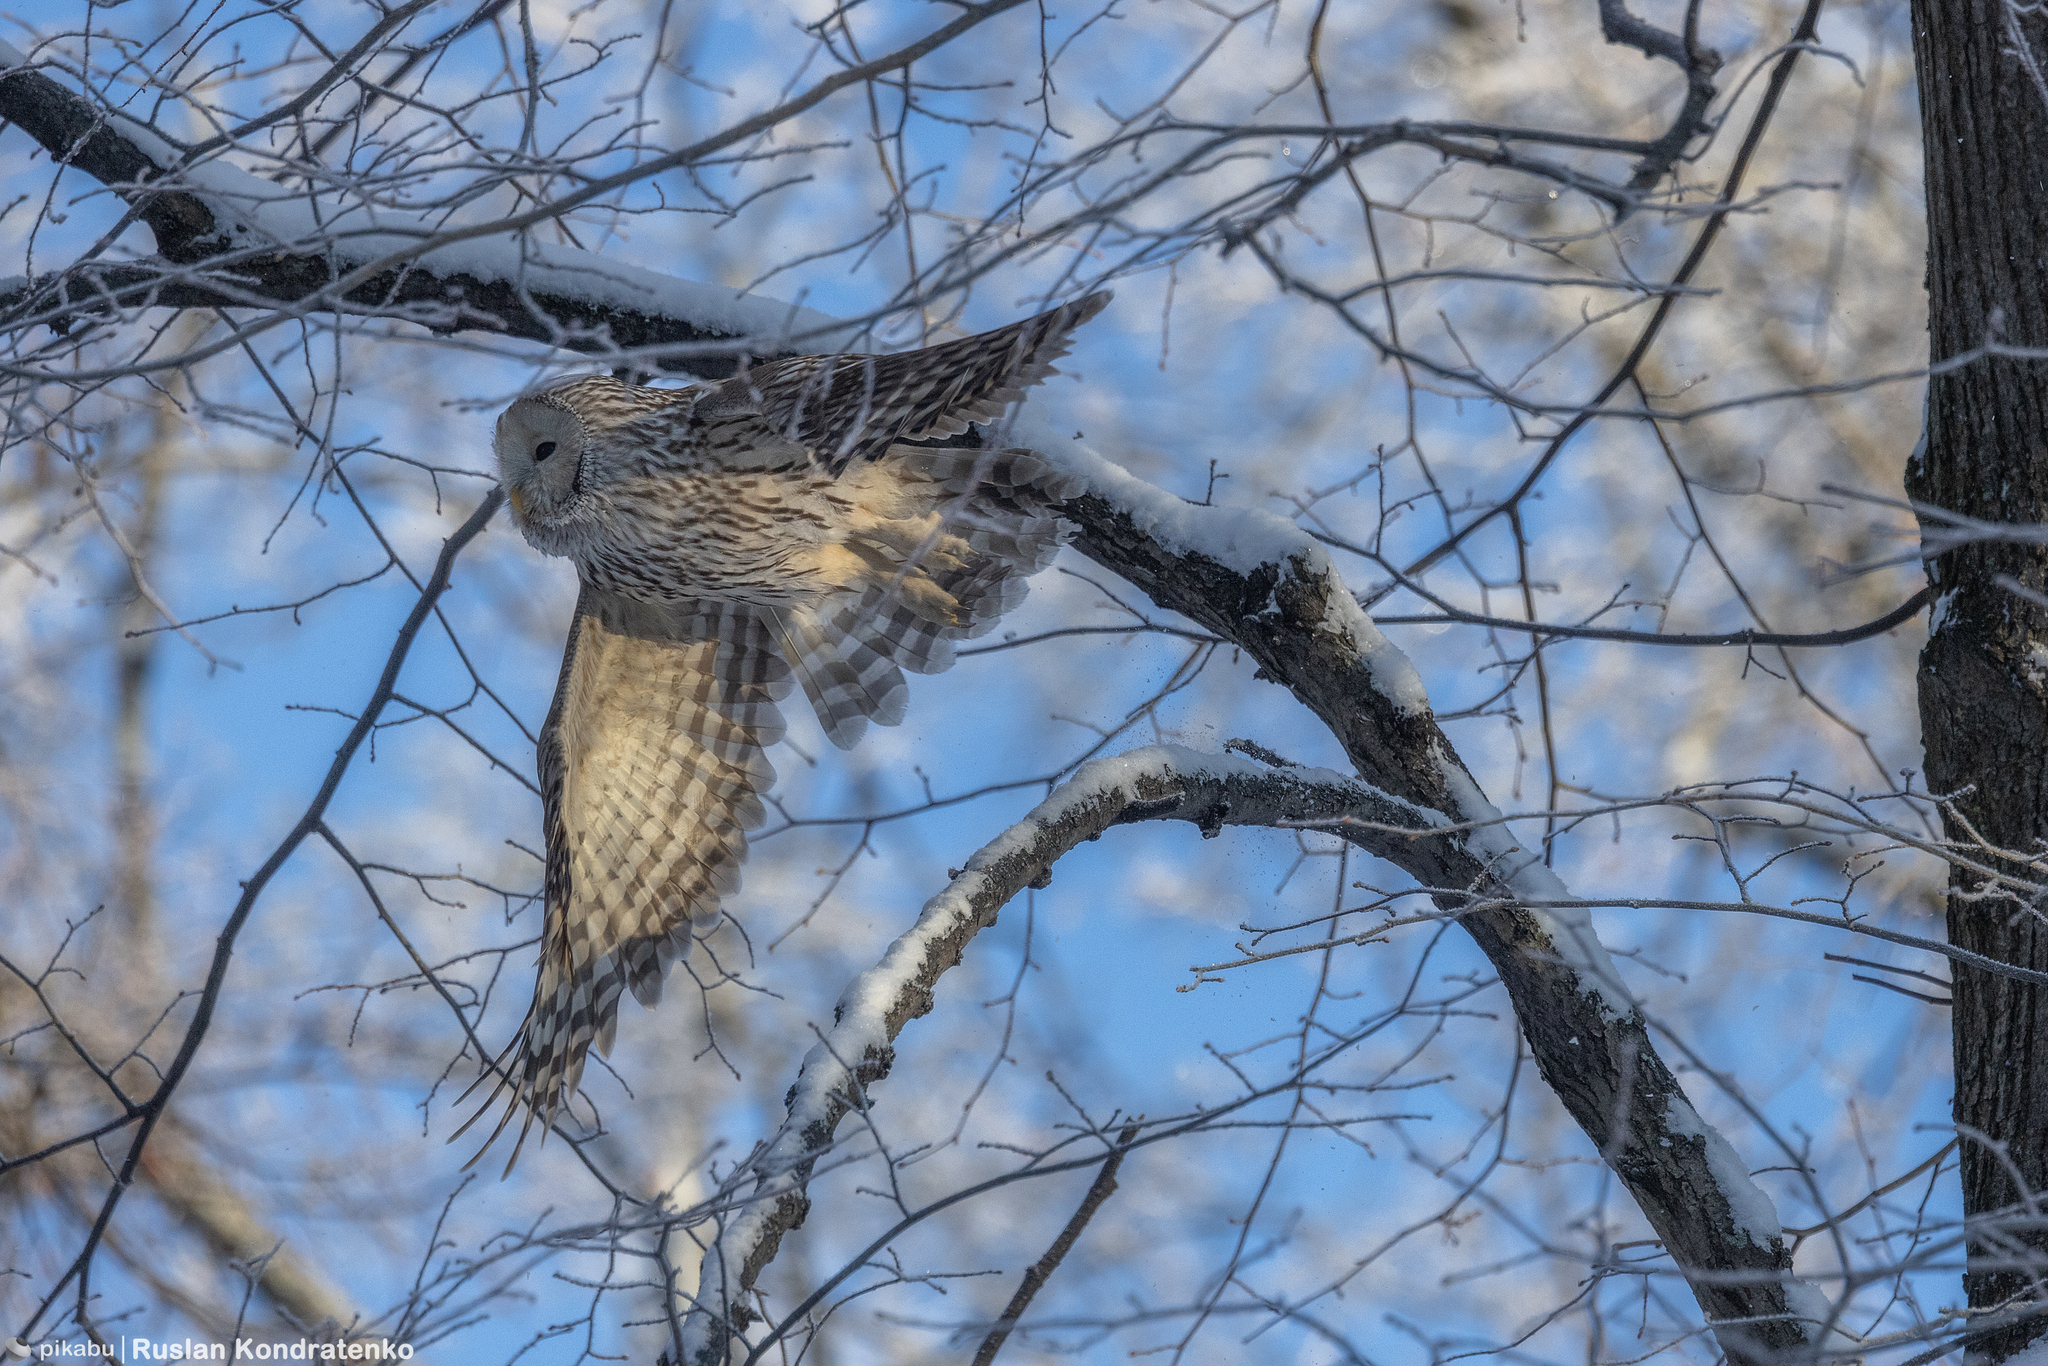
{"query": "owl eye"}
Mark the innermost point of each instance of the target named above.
(543, 450)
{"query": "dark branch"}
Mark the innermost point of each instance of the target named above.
(77, 132)
(1103, 1187)
(1848, 635)
(73, 129)
(440, 302)
(1603, 1066)
(1698, 63)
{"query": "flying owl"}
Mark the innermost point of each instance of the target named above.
(733, 540)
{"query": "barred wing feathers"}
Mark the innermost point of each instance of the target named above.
(938, 579)
(850, 408)
(652, 770)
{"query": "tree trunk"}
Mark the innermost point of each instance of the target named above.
(1984, 671)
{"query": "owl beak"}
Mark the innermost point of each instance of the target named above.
(518, 503)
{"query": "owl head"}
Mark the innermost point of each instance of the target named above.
(540, 445)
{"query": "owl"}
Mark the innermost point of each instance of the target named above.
(797, 525)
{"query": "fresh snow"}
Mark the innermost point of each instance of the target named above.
(1755, 1217)
(258, 214)
(1241, 539)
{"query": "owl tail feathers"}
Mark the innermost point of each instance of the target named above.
(544, 1062)
(849, 678)
(521, 1100)
(929, 582)
(1004, 504)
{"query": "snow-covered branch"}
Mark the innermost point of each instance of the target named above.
(1162, 782)
(227, 238)
(1267, 586)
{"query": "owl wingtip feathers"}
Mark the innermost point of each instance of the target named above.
(1088, 305)
(846, 409)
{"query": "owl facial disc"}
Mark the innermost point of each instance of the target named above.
(539, 445)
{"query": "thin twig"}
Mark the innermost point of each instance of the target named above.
(1102, 1188)
(224, 945)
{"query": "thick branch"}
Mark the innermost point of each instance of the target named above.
(441, 301)
(381, 275)
(1983, 709)
(1283, 603)
(76, 132)
(1160, 783)
(201, 265)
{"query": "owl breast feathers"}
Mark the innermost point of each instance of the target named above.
(733, 541)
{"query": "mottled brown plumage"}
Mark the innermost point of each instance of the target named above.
(734, 540)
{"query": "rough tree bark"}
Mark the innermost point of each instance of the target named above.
(1984, 671)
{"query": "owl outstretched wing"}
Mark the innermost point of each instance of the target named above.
(651, 760)
(652, 769)
(934, 585)
(924, 588)
(850, 408)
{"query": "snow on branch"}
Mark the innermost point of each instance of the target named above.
(1265, 585)
(227, 238)
(1161, 782)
